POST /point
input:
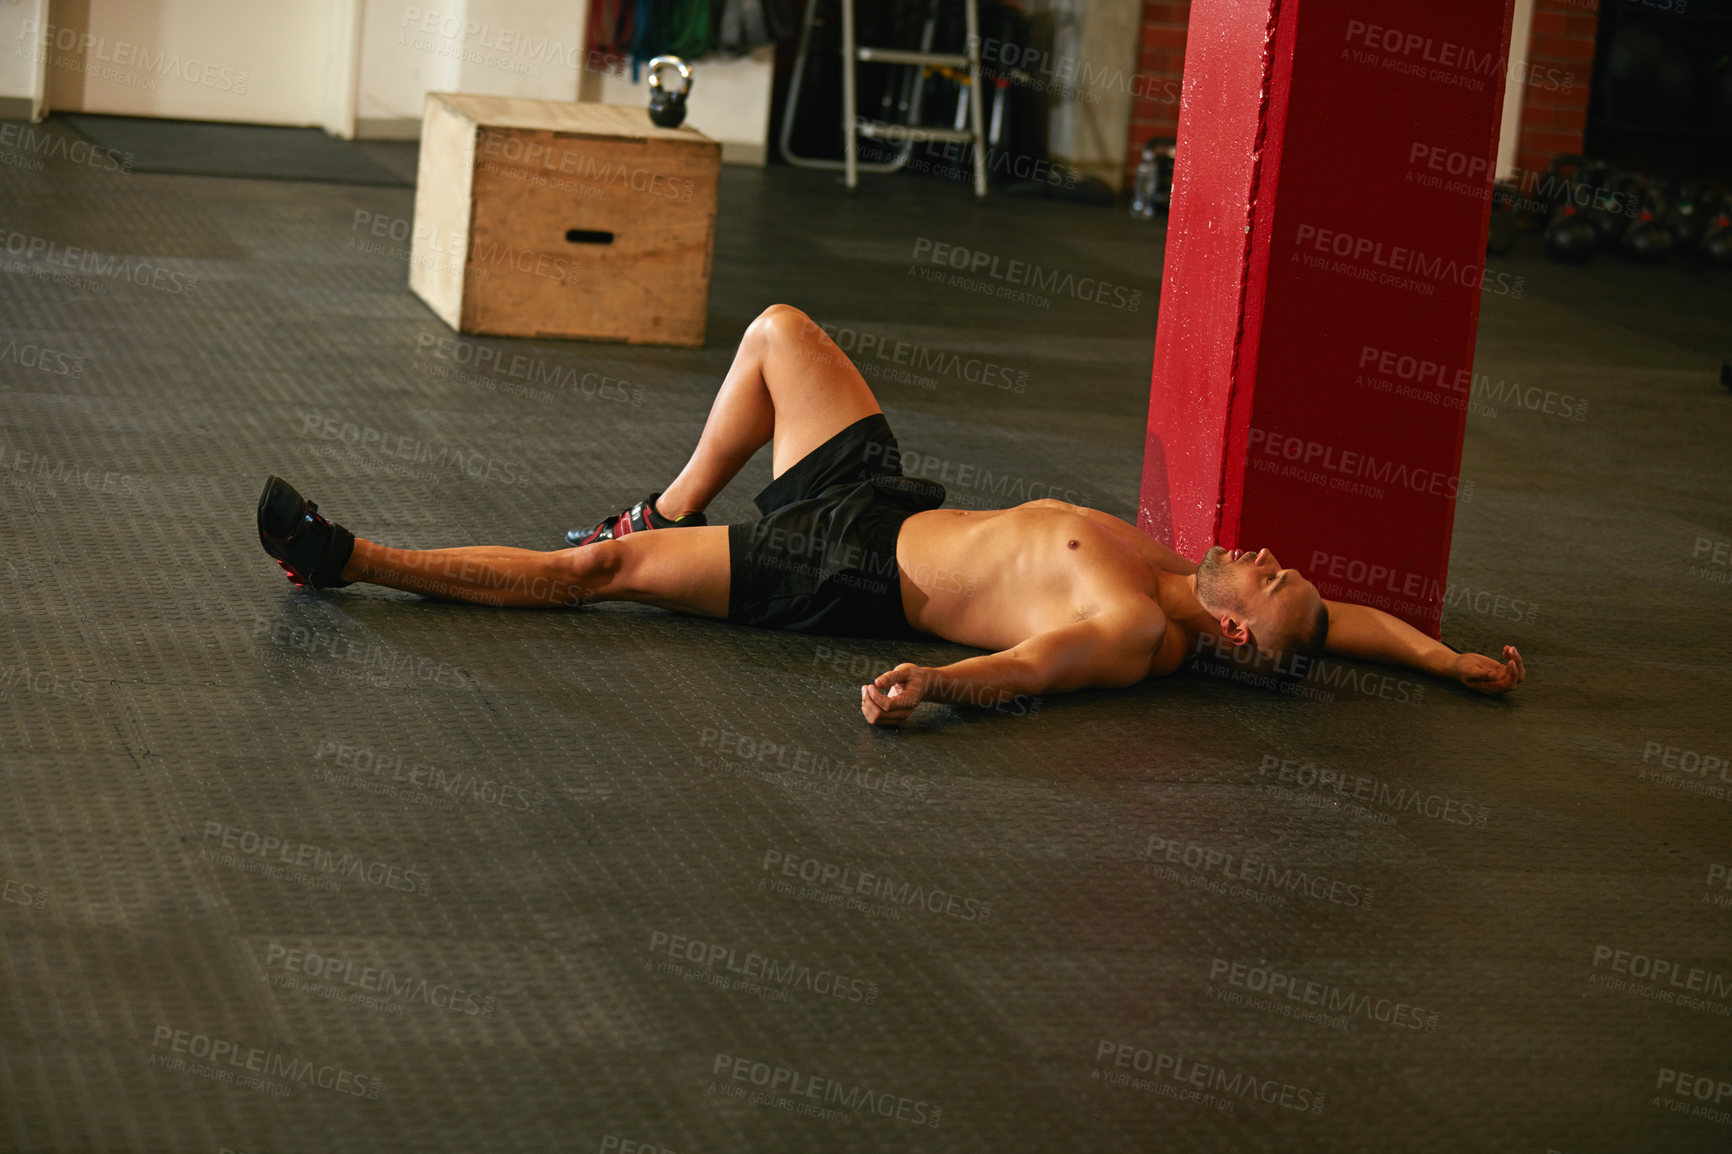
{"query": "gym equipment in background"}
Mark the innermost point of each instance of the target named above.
(1153, 191)
(961, 68)
(1570, 236)
(1596, 205)
(644, 30)
(1690, 212)
(555, 218)
(1015, 105)
(1646, 238)
(667, 106)
(1716, 244)
(919, 116)
(1612, 199)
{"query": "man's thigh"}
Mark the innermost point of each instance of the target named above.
(681, 569)
(816, 389)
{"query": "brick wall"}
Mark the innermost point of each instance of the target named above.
(1160, 62)
(1554, 93)
(1555, 96)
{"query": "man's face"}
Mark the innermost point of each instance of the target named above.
(1251, 591)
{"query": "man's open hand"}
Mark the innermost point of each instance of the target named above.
(892, 697)
(1484, 675)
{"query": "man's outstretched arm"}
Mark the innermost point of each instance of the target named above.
(1102, 651)
(1372, 635)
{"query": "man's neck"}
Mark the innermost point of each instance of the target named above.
(1176, 593)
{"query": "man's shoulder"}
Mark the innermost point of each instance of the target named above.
(1136, 620)
(1128, 636)
(1157, 643)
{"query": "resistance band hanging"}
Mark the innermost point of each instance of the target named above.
(691, 29)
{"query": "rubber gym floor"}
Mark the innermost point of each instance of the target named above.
(356, 871)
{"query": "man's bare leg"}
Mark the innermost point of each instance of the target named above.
(685, 571)
(790, 383)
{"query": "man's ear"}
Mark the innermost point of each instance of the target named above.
(1235, 630)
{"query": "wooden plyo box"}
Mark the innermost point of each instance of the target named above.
(539, 218)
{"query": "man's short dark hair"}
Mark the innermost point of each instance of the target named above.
(1270, 668)
(1307, 648)
(1314, 645)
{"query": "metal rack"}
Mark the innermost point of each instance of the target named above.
(910, 132)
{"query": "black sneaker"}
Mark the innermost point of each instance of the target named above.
(311, 550)
(640, 517)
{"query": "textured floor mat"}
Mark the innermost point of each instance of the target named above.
(249, 151)
(284, 871)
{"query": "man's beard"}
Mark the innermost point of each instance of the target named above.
(1214, 587)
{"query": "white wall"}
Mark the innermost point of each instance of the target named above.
(400, 63)
(191, 59)
(1509, 135)
(20, 63)
(1088, 76)
(526, 48)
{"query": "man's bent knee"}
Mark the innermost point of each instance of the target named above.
(785, 324)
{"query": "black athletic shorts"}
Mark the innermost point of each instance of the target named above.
(822, 558)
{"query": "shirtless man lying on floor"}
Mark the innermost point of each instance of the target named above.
(1064, 597)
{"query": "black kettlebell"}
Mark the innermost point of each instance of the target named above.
(1716, 243)
(1690, 212)
(1647, 240)
(667, 108)
(1570, 237)
(1610, 199)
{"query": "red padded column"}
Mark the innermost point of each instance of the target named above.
(1324, 268)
